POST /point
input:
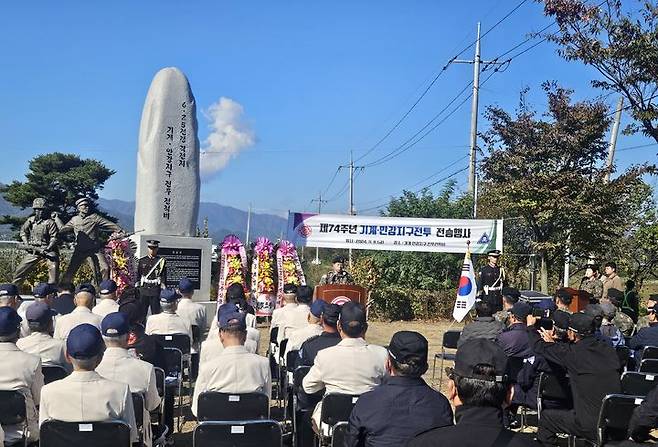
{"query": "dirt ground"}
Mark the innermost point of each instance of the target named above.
(378, 333)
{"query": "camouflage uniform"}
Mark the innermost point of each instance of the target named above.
(332, 277)
(624, 323)
(502, 316)
(593, 286)
(643, 322)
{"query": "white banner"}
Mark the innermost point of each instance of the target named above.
(394, 233)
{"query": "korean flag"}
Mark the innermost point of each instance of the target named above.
(466, 291)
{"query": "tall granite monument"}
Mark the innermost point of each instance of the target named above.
(167, 194)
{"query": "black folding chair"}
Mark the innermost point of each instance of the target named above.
(649, 352)
(238, 434)
(637, 383)
(335, 408)
(555, 389)
(174, 378)
(281, 372)
(272, 354)
(624, 355)
(52, 373)
(138, 407)
(12, 409)
(181, 342)
(615, 416)
(98, 434)
(297, 378)
(215, 406)
(449, 341)
(338, 438)
(649, 366)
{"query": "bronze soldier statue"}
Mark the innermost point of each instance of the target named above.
(152, 276)
(39, 236)
(492, 281)
(87, 228)
(337, 275)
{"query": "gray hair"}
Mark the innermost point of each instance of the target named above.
(87, 364)
(169, 307)
(6, 300)
(11, 338)
(116, 342)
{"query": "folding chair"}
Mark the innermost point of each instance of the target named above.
(237, 434)
(272, 354)
(552, 388)
(215, 406)
(297, 377)
(12, 409)
(338, 439)
(649, 366)
(138, 407)
(52, 373)
(336, 407)
(649, 352)
(174, 378)
(281, 372)
(637, 383)
(614, 417)
(624, 355)
(98, 434)
(449, 341)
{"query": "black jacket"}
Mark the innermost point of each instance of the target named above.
(310, 347)
(645, 418)
(593, 368)
(476, 427)
(514, 341)
(481, 327)
(396, 411)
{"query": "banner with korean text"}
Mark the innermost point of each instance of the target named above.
(394, 233)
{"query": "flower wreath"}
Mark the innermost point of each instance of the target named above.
(233, 265)
(120, 255)
(263, 285)
(289, 268)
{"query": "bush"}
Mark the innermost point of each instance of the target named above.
(398, 303)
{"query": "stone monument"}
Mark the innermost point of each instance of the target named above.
(167, 194)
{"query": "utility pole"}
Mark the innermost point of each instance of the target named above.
(474, 108)
(317, 261)
(352, 168)
(613, 138)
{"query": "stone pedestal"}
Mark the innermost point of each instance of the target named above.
(185, 256)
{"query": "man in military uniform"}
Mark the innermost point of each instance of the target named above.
(337, 275)
(86, 228)
(152, 274)
(591, 283)
(492, 281)
(39, 234)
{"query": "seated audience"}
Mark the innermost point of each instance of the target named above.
(479, 388)
(108, 302)
(212, 347)
(298, 317)
(281, 315)
(484, 325)
(84, 302)
(403, 405)
(645, 418)
(85, 396)
(63, 303)
(510, 297)
(40, 342)
(608, 328)
(121, 366)
(514, 339)
(235, 370)
(647, 336)
(168, 322)
(312, 328)
(352, 366)
(21, 372)
(593, 369)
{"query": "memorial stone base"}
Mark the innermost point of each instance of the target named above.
(185, 256)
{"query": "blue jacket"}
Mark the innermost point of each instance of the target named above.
(394, 412)
(647, 336)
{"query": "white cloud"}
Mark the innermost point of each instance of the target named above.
(229, 135)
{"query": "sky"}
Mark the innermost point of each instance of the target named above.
(284, 90)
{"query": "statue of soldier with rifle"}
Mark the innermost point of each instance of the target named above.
(39, 238)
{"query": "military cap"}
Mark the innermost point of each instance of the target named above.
(39, 312)
(561, 319)
(480, 351)
(521, 310)
(86, 287)
(9, 321)
(84, 341)
(168, 295)
(406, 345)
(8, 290)
(338, 258)
(185, 285)
(317, 307)
(494, 253)
(153, 243)
(43, 289)
(289, 288)
(108, 286)
(581, 323)
(39, 203)
(115, 324)
(232, 320)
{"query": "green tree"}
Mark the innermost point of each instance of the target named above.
(548, 173)
(59, 178)
(621, 44)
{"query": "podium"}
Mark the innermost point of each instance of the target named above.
(330, 291)
(579, 299)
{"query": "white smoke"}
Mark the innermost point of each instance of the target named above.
(229, 135)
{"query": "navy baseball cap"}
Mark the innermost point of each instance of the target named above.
(353, 314)
(169, 295)
(108, 286)
(43, 289)
(84, 341)
(8, 289)
(317, 307)
(227, 308)
(86, 287)
(330, 313)
(9, 321)
(289, 288)
(406, 345)
(39, 312)
(232, 320)
(581, 323)
(115, 324)
(185, 285)
(480, 351)
(521, 310)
